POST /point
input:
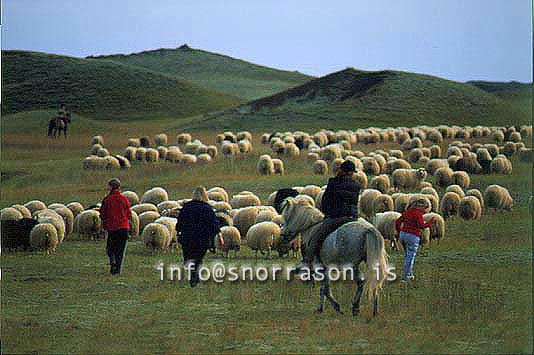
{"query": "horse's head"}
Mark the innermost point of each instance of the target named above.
(297, 216)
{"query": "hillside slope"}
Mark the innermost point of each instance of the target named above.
(214, 71)
(100, 89)
(352, 98)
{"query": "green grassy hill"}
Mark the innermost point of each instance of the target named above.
(351, 98)
(100, 89)
(214, 71)
(516, 93)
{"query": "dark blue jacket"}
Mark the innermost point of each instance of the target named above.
(197, 225)
(340, 198)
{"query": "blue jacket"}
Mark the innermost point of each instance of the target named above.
(197, 224)
(340, 198)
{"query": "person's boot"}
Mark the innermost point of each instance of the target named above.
(113, 269)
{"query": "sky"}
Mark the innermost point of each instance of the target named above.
(455, 39)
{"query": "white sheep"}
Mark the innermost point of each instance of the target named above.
(320, 167)
(155, 196)
(366, 201)
(443, 177)
(244, 218)
(51, 216)
(381, 183)
(450, 202)
(23, 210)
(498, 198)
(385, 223)
(156, 236)
(265, 165)
(231, 238)
(10, 214)
(278, 167)
(263, 237)
(44, 237)
(408, 179)
(88, 224)
(457, 189)
(477, 194)
(470, 208)
(147, 217)
(144, 207)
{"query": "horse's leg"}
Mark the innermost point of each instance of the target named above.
(357, 296)
(322, 293)
(375, 305)
(330, 297)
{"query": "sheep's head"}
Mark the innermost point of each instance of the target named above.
(421, 174)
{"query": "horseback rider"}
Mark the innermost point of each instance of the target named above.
(339, 205)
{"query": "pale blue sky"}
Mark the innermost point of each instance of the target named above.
(456, 39)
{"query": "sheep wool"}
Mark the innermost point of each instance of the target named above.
(383, 203)
(263, 237)
(457, 189)
(245, 218)
(380, 183)
(23, 210)
(470, 208)
(450, 202)
(408, 179)
(385, 223)
(265, 165)
(219, 191)
(34, 206)
(366, 201)
(443, 177)
(88, 224)
(132, 197)
(146, 218)
(461, 178)
(156, 237)
(155, 196)
(51, 216)
(68, 218)
(244, 200)
(231, 238)
(320, 167)
(498, 198)
(437, 229)
(44, 237)
(10, 214)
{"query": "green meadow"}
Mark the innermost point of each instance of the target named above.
(473, 292)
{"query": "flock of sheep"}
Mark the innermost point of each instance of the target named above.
(186, 152)
(389, 179)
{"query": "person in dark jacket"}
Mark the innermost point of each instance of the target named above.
(339, 205)
(196, 227)
(115, 214)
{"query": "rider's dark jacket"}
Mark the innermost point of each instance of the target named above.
(340, 198)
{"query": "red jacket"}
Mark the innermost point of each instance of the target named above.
(115, 211)
(412, 222)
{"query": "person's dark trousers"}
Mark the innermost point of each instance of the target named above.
(193, 254)
(327, 226)
(115, 248)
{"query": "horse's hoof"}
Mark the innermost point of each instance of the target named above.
(319, 310)
(355, 312)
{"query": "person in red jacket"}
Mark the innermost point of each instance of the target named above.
(409, 226)
(115, 215)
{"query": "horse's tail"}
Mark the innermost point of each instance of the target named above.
(377, 261)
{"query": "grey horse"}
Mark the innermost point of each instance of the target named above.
(350, 244)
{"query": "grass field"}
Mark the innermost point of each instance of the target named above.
(473, 293)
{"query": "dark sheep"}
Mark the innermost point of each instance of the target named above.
(16, 234)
